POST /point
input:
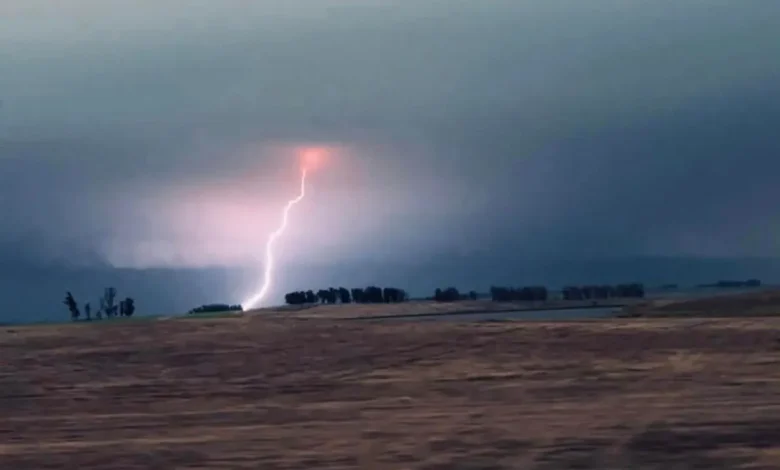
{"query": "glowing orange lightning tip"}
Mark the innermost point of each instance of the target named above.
(256, 299)
(313, 158)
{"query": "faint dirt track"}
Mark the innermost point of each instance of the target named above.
(272, 394)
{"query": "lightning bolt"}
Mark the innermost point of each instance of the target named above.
(257, 298)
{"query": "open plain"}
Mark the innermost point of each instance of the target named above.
(258, 393)
(419, 308)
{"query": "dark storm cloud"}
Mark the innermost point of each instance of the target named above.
(473, 127)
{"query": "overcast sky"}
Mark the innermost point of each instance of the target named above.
(163, 133)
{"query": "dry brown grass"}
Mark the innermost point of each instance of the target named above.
(754, 304)
(428, 307)
(265, 394)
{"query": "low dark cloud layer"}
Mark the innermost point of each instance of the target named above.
(163, 136)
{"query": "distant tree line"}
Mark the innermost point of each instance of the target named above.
(542, 294)
(731, 284)
(451, 294)
(512, 294)
(108, 307)
(216, 308)
(332, 295)
(603, 291)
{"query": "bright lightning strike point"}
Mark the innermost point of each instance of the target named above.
(311, 160)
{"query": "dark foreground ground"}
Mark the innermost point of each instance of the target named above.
(259, 394)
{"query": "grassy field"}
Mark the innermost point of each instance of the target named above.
(253, 393)
(752, 304)
(430, 307)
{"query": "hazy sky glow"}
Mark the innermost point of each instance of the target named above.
(164, 133)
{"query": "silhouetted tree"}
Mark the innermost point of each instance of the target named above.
(373, 294)
(572, 293)
(630, 290)
(499, 294)
(107, 302)
(87, 312)
(449, 294)
(296, 298)
(129, 307)
(524, 294)
(401, 295)
(344, 295)
(393, 295)
(73, 306)
(332, 295)
(327, 296)
(597, 292)
(213, 308)
(534, 293)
